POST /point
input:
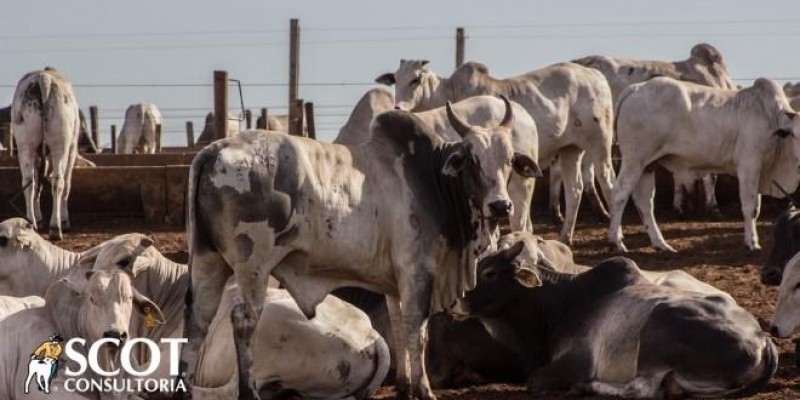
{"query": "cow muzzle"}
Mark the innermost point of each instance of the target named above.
(501, 208)
(122, 336)
(459, 310)
(771, 276)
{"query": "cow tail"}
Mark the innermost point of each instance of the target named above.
(45, 82)
(382, 365)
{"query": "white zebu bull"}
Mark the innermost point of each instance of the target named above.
(694, 129)
(570, 103)
(138, 133)
(28, 262)
(483, 111)
(704, 66)
(85, 303)
(405, 214)
(44, 118)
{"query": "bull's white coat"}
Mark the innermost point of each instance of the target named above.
(138, 134)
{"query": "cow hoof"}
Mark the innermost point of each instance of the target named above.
(618, 247)
(665, 248)
(557, 219)
(755, 248)
(55, 235)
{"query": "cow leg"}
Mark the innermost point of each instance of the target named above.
(415, 297)
(402, 379)
(627, 180)
(751, 204)
(59, 158)
(27, 167)
(253, 279)
(712, 209)
(589, 188)
(601, 161)
(209, 273)
(555, 192)
(643, 199)
(65, 224)
(520, 191)
(573, 188)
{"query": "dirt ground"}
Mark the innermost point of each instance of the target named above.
(711, 251)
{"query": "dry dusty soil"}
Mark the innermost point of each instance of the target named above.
(711, 251)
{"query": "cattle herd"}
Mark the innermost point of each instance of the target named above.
(406, 245)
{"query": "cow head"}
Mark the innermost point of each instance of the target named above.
(786, 320)
(109, 296)
(706, 67)
(501, 280)
(785, 244)
(17, 239)
(414, 84)
(484, 160)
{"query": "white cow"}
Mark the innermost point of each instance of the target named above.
(138, 134)
(28, 262)
(786, 321)
(694, 129)
(484, 111)
(704, 66)
(571, 104)
(44, 118)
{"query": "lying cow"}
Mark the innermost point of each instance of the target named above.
(693, 129)
(138, 134)
(704, 66)
(570, 103)
(483, 111)
(785, 244)
(608, 331)
(44, 114)
(107, 296)
(405, 214)
(287, 345)
(28, 262)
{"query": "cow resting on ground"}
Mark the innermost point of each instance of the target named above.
(138, 134)
(405, 214)
(610, 332)
(482, 111)
(44, 118)
(571, 105)
(704, 66)
(693, 129)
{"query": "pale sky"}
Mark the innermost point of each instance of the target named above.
(113, 43)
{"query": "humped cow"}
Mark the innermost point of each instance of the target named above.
(695, 129)
(315, 216)
(483, 111)
(86, 303)
(45, 123)
(570, 103)
(207, 135)
(138, 134)
(609, 331)
(28, 262)
(704, 66)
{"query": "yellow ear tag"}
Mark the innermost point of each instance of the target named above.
(149, 318)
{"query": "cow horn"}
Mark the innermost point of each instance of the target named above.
(508, 119)
(457, 123)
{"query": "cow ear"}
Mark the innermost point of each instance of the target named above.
(386, 79)
(423, 63)
(510, 253)
(148, 308)
(87, 262)
(456, 161)
(527, 277)
(525, 166)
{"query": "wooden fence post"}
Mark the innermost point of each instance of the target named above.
(248, 119)
(158, 138)
(310, 125)
(113, 139)
(296, 118)
(189, 134)
(95, 127)
(220, 104)
(294, 76)
(264, 118)
(8, 138)
(459, 47)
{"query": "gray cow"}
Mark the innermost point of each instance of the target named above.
(405, 214)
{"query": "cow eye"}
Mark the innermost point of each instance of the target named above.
(490, 275)
(124, 262)
(3, 241)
